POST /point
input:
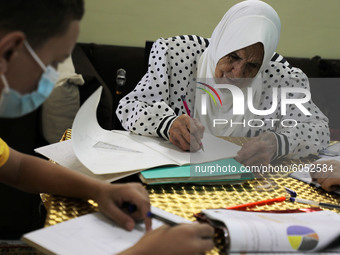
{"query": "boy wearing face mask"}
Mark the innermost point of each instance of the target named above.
(35, 36)
(13, 104)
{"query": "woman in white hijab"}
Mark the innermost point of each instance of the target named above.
(251, 31)
(251, 25)
(241, 52)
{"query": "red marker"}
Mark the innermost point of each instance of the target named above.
(263, 202)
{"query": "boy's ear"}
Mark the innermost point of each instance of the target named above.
(9, 46)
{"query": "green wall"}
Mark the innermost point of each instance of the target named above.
(309, 27)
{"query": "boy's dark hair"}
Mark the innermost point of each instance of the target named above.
(39, 19)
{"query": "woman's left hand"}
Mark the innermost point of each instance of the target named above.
(329, 177)
(258, 150)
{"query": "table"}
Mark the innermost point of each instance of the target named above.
(186, 199)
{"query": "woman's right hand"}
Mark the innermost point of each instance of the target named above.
(184, 239)
(186, 133)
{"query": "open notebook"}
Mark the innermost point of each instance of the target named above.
(246, 232)
(91, 234)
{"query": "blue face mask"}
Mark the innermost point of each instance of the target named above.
(14, 105)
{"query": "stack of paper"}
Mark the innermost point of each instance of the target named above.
(112, 154)
(224, 171)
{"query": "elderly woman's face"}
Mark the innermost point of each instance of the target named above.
(240, 66)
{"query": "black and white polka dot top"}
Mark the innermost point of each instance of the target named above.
(155, 103)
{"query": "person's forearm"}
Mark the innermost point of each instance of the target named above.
(132, 251)
(37, 175)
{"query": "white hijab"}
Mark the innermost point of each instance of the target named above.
(244, 24)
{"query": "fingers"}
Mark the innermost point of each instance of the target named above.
(113, 197)
(196, 134)
(122, 219)
(197, 129)
(140, 198)
(258, 151)
(189, 239)
(329, 184)
(179, 140)
(186, 133)
(247, 152)
(326, 173)
(204, 236)
(253, 153)
(205, 245)
(204, 230)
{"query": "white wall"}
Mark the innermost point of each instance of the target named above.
(309, 27)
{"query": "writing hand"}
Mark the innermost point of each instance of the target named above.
(186, 133)
(111, 197)
(183, 239)
(258, 150)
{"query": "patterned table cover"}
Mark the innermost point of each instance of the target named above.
(186, 199)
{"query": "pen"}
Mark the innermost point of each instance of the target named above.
(165, 220)
(188, 112)
(316, 203)
(263, 202)
(130, 208)
(185, 105)
(291, 192)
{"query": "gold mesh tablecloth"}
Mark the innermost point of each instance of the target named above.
(187, 199)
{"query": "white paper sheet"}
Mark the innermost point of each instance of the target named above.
(333, 150)
(62, 153)
(214, 149)
(106, 152)
(91, 234)
(86, 133)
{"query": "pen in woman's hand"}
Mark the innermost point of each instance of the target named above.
(188, 112)
(185, 105)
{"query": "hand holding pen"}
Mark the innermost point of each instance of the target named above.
(186, 132)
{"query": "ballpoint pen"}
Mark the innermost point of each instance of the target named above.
(291, 192)
(131, 208)
(165, 220)
(294, 198)
(189, 114)
(316, 203)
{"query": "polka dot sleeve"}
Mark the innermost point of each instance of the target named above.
(145, 110)
(155, 103)
(300, 135)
